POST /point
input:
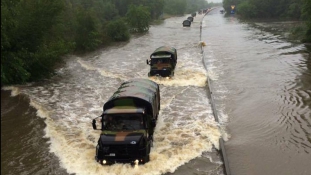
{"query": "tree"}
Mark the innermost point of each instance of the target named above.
(25, 25)
(306, 11)
(36, 33)
(138, 18)
(117, 30)
(156, 8)
(195, 5)
(175, 7)
(247, 10)
(88, 31)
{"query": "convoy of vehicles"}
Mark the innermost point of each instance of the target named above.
(128, 122)
(129, 117)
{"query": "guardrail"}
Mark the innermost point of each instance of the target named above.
(222, 149)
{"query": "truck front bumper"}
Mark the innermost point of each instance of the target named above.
(132, 160)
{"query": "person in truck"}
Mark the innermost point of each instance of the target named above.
(110, 123)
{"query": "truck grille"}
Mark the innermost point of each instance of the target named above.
(123, 149)
(163, 73)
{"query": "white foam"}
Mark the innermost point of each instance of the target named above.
(102, 72)
(176, 142)
(14, 90)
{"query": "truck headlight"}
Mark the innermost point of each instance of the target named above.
(136, 162)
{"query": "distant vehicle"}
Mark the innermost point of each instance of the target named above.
(190, 18)
(186, 23)
(222, 11)
(194, 14)
(128, 122)
(232, 9)
(162, 62)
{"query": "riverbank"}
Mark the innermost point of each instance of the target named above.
(291, 31)
(294, 31)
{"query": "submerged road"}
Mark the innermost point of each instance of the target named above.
(261, 91)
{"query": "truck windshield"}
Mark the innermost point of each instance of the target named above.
(160, 60)
(123, 122)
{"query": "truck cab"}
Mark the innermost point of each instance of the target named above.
(162, 62)
(127, 123)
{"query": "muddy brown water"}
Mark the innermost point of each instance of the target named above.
(261, 84)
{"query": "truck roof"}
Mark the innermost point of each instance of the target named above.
(138, 93)
(161, 56)
(164, 50)
(124, 110)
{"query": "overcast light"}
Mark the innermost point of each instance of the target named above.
(215, 1)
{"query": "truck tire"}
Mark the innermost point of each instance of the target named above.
(147, 159)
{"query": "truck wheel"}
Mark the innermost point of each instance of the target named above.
(151, 145)
(147, 159)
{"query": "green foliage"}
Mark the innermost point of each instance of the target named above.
(307, 38)
(45, 59)
(195, 5)
(117, 30)
(266, 8)
(138, 18)
(281, 9)
(24, 28)
(175, 7)
(13, 68)
(35, 34)
(306, 14)
(88, 31)
(228, 3)
(294, 11)
(156, 8)
(247, 10)
(109, 11)
(180, 7)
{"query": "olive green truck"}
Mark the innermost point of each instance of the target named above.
(128, 122)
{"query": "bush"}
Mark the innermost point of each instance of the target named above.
(138, 18)
(88, 35)
(117, 30)
(247, 10)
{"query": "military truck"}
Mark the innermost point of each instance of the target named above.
(190, 18)
(186, 23)
(127, 123)
(163, 62)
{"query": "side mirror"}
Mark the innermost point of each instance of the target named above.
(147, 61)
(94, 124)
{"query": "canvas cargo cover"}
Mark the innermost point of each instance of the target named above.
(137, 93)
(165, 50)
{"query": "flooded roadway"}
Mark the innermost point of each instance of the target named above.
(67, 103)
(263, 84)
(260, 82)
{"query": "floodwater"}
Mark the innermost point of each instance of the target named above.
(260, 82)
(263, 84)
